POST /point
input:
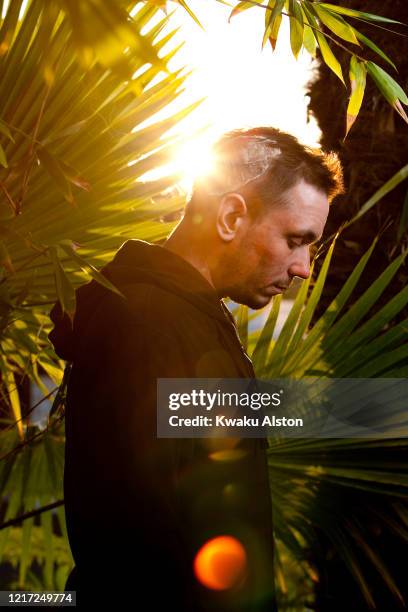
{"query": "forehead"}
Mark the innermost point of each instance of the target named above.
(304, 208)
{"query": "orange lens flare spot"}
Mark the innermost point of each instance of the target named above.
(228, 455)
(220, 563)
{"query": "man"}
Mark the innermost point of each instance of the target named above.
(140, 509)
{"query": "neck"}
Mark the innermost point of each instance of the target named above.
(184, 242)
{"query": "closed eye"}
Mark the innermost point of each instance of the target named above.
(293, 243)
(297, 240)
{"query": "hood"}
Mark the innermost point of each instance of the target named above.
(137, 261)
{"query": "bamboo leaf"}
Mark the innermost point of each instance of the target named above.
(239, 8)
(328, 56)
(336, 24)
(358, 14)
(390, 89)
(386, 83)
(296, 27)
(309, 40)
(358, 82)
(369, 43)
(273, 20)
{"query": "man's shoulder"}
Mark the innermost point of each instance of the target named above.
(156, 307)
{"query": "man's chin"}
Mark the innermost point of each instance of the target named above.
(256, 302)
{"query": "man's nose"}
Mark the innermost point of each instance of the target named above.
(301, 264)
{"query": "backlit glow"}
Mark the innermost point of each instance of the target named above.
(243, 86)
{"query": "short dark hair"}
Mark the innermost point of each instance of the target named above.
(261, 164)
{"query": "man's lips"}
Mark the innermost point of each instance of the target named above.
(273, 289)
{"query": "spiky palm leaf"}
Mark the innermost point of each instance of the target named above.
(62, 122)
(312, 478)
(78, 95)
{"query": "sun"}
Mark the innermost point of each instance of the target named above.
(193, 159)
(240, 85)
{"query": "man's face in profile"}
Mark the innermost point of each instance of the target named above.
(270, 251)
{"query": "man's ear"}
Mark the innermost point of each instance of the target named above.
(232, 214)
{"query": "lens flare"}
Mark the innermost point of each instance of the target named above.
(221, 563)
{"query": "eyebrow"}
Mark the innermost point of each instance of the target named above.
(309, 235)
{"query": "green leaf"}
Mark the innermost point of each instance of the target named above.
(369, 43)
(63, 285)
(46, 524)
(281, 345)
(358, 14)
(261, 349)
(5, 259)
(4, 129)
(312, 302)
(336, 24)
(390, 89)
(273, 20)
(403, 224)
(372, 329)
(366, 351)
(343, 328)
(239, 8)
(88, 267)
(3, 158)
(328, 56)
(54, 169)
(53, 474)
(296, 27)
(73, 177)
(395, 180)
(14, 398)
(242, 325)
(25, 549)
(358, 82)
(309, 40)
(323, 325)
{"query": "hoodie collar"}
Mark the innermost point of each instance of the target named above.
(138, 260)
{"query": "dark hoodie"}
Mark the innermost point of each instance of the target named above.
(138, 507)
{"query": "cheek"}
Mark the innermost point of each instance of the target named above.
(270, 254)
